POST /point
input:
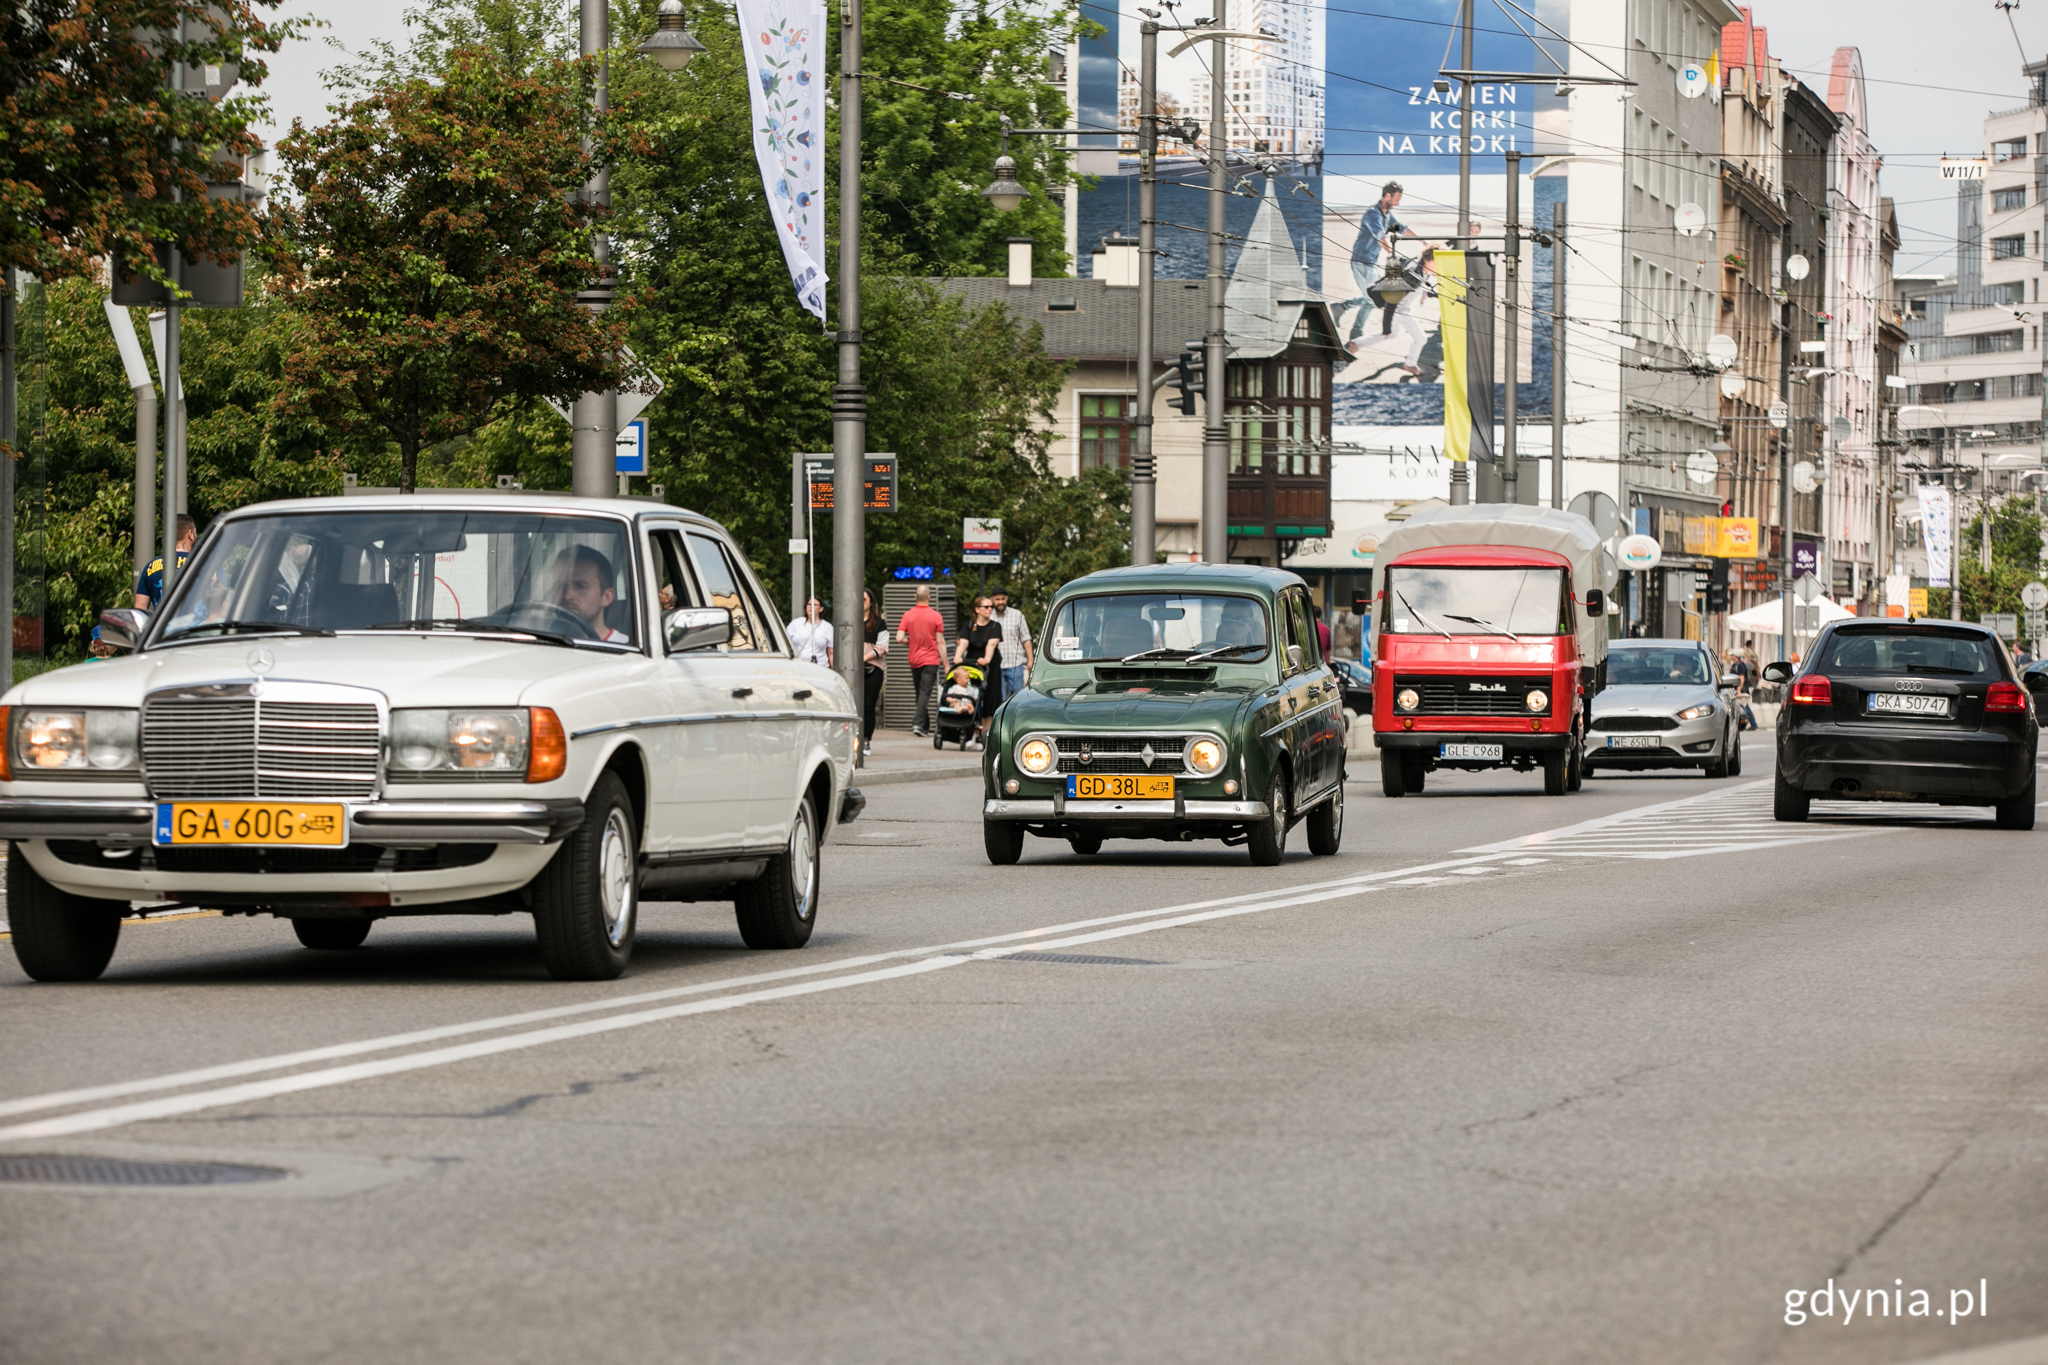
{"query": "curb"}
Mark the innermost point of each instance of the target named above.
(929, 772)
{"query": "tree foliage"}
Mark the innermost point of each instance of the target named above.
(434, 247)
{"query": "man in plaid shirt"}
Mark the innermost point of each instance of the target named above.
(1016, 643)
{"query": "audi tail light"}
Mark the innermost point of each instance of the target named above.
(2004, 696)
(1813, 690)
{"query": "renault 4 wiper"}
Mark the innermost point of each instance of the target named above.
(1226, 651)
(1166, 652)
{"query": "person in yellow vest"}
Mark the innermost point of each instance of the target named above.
(149, 589)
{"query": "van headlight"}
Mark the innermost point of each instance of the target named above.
(1205, 755)
(1537, 701)
(1036, 756)
(1407, 699)
(437, 744)
(75, 740)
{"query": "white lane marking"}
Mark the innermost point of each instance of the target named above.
(360, 1047)
(97, 1120)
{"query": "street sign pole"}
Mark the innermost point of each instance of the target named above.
(799, 511)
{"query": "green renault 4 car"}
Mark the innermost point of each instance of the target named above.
(1178, 702)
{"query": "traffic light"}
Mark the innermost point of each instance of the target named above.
(1717, 585)
(1188, 378)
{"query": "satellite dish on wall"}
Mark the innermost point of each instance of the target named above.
(1796, 266)
(1689, 219)
(1722, 350)
(1701, 466)
(1732, 384)
(1692, 80)
(1803, 478)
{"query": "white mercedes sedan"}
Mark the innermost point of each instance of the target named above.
(443, 704)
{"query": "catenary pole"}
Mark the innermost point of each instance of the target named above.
(8, 285)
(799, 501)
(1215, 435)
(1557, 217)
(174, 387)
(1787, 344)
(594, 418)
(849, 399)
(1461, 488)
(1511, 317)
(1144, 486)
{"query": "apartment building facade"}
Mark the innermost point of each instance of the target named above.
(1850, 502)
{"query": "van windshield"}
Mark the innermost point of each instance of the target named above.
(1451, 600)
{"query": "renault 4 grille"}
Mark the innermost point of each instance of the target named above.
(1121, 754)
(238, 748)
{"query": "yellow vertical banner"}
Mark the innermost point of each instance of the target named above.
(1451, 285)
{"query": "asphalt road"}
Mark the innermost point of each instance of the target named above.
(1473, 1090)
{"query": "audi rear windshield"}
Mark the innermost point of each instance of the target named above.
(1918, 651)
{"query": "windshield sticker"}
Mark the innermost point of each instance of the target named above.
(1066, 646)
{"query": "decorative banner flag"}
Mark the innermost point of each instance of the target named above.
(1464, 290)
(785, 42)
(1934, 515)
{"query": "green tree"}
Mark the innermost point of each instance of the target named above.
(433, 249)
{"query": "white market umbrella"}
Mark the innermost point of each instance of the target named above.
(1768, 618)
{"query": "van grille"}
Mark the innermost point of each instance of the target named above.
(1474, 696)
(238, 748)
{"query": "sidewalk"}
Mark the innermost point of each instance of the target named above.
(900, 756)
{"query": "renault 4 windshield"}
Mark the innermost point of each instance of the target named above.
(552, 579)
(1171, 627)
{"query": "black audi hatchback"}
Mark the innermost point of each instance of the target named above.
(1907, 711)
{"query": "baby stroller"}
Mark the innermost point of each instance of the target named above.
(950, 723)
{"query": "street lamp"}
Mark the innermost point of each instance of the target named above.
(671, 45)
(1006, 192)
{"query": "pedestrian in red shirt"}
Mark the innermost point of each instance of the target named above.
(924, 639)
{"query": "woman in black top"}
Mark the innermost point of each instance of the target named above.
(981, 645)
(874, 652)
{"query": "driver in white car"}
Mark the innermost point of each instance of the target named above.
(584, 585)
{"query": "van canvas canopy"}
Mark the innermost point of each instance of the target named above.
(1566, 534)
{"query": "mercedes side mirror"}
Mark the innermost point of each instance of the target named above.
(123, 627)
(1596, 602)
(1777, 671)
(697, 628)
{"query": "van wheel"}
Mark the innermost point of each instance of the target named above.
(1268, 838)
(334, 934)
(1087, 844)
(778, 908)
(1393, 775)
(58, 936)
(1788, 803)
(1412, 773)
(1555, 762)
(1575, 772)
(586, 902)
(2018, 812)
(1003, 841)
(1326, 825)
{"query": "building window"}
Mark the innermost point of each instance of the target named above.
(2004, 201)
(1106, 430)
(1244, 407)
(2013, 292)
(2008, 248)
(2009, 151)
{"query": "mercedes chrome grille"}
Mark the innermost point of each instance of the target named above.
(242, 747)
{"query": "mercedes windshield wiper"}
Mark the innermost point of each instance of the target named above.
(1226, 651)
(240, 627)
(1480, 621)
(480, 627)
(1165, 652)
(1418, 615)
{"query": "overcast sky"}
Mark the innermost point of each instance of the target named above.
(1967, 55)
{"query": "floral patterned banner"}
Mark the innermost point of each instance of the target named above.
(786, 41)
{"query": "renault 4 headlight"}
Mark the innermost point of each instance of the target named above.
(70, 741)
(1205, 755)
(1036, 756)
(437, 744)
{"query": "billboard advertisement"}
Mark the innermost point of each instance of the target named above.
(1338, 116)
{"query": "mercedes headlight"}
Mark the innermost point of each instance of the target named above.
(75, 740)
(467, 743)
(1407, 699)
(1205, 756)
(1037, 756)
(1696, 712)
(1538, 700)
